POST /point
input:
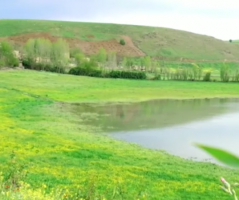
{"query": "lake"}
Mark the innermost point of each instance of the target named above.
(169, 125)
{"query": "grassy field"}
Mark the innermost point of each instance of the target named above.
(60, 151)
(69, 88)
(154, 41)
(235, 41)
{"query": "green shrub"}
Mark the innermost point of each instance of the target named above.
(91, 64)
(207, 76)
(95, 73)
(114, 74)
(157, 77)
(26, 63)
(122, 41)
(83, 71)
(56, 69)
(45, 67)
(126, 74)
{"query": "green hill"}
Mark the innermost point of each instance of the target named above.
(157, 42)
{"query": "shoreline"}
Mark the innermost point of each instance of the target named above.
(102, 102)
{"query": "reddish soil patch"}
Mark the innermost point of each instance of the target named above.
(88, 47)
(90, 36)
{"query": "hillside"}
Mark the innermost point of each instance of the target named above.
(163, 43)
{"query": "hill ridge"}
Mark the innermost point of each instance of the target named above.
(164, 43)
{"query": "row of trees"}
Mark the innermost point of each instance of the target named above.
(109, 60)
(42, 54)
(143, 63)
(101, 59)
(193, 73)
(46, 55)
(227, 74)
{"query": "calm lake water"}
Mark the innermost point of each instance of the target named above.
(170, 125)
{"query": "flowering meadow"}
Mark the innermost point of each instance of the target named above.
(47, 152)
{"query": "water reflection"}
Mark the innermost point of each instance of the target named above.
(152, 114)
(171, 125)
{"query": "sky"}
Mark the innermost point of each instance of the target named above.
(217, 18)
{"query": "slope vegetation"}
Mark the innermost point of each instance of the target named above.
(157, 42)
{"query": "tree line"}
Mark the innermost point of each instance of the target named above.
(42, 54)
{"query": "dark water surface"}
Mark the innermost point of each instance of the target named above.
(170, 125)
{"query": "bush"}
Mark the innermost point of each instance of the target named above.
(91, 64)
(83, 71)
(95, 73)
(157, 77)
(45, 67)
(207, 76)
(26, 63)
(126, 74)
(56, 69)
(86, 71)
(122, 41)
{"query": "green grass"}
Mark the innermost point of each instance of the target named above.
(235, 41)
(69, 88)
(63, 152)
(154, 41)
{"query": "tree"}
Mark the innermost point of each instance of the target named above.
(124, 62)
(7, 56)
(112, 60)
(147, 63)
(101, 56)
(60, 54)
(74, 52)
(224, 73)
(38, 51)
(30, 53)
(43, 51)
(79, 58)
(129, 63)
(155, 66)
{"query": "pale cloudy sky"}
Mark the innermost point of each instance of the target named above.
(218, 18)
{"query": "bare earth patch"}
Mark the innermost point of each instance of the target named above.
(11, 68)
(88, 47)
